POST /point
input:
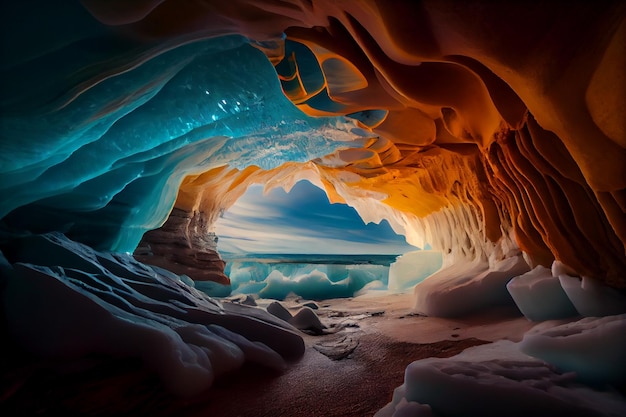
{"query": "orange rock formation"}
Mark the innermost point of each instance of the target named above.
(497, 120)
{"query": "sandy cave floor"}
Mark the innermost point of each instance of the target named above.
(349, 371)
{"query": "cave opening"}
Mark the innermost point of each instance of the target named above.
(278, 243)
(492, 131)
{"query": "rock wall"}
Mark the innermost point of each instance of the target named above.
(184, 246)
(497, 114)
(488, 127)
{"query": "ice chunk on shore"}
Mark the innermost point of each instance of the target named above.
(539, 295)
(592, 298)
(412, 268)
(545, 294)
(464, 288)
(593, 348)
(496, 380)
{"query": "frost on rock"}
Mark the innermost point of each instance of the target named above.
(69, 301)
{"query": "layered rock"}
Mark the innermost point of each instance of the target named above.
(184, 246)
(477, 118)
(490, 135)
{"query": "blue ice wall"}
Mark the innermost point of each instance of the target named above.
(310, 281)
(97, 131)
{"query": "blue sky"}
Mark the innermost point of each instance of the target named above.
(301, 221)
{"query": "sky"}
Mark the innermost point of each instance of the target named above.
(301, 222)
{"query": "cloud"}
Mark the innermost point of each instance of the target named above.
(301, 221)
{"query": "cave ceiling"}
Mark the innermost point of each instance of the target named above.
(477, 127)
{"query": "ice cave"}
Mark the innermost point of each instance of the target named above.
(490, 136)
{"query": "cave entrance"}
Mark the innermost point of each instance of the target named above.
(297, 242)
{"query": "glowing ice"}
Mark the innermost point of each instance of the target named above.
(113, 167)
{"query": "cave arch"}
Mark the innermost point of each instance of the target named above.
(474, 124)
(492, 130)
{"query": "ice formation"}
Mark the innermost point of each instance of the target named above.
(539, 295)
(498, 380)
(592, 347)
(462, 144)
(467, 287)
(593, 299)
(310, 281)
(544, 294)
(114, 171)
(63, 299)
(412, 267)
(491, 131)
